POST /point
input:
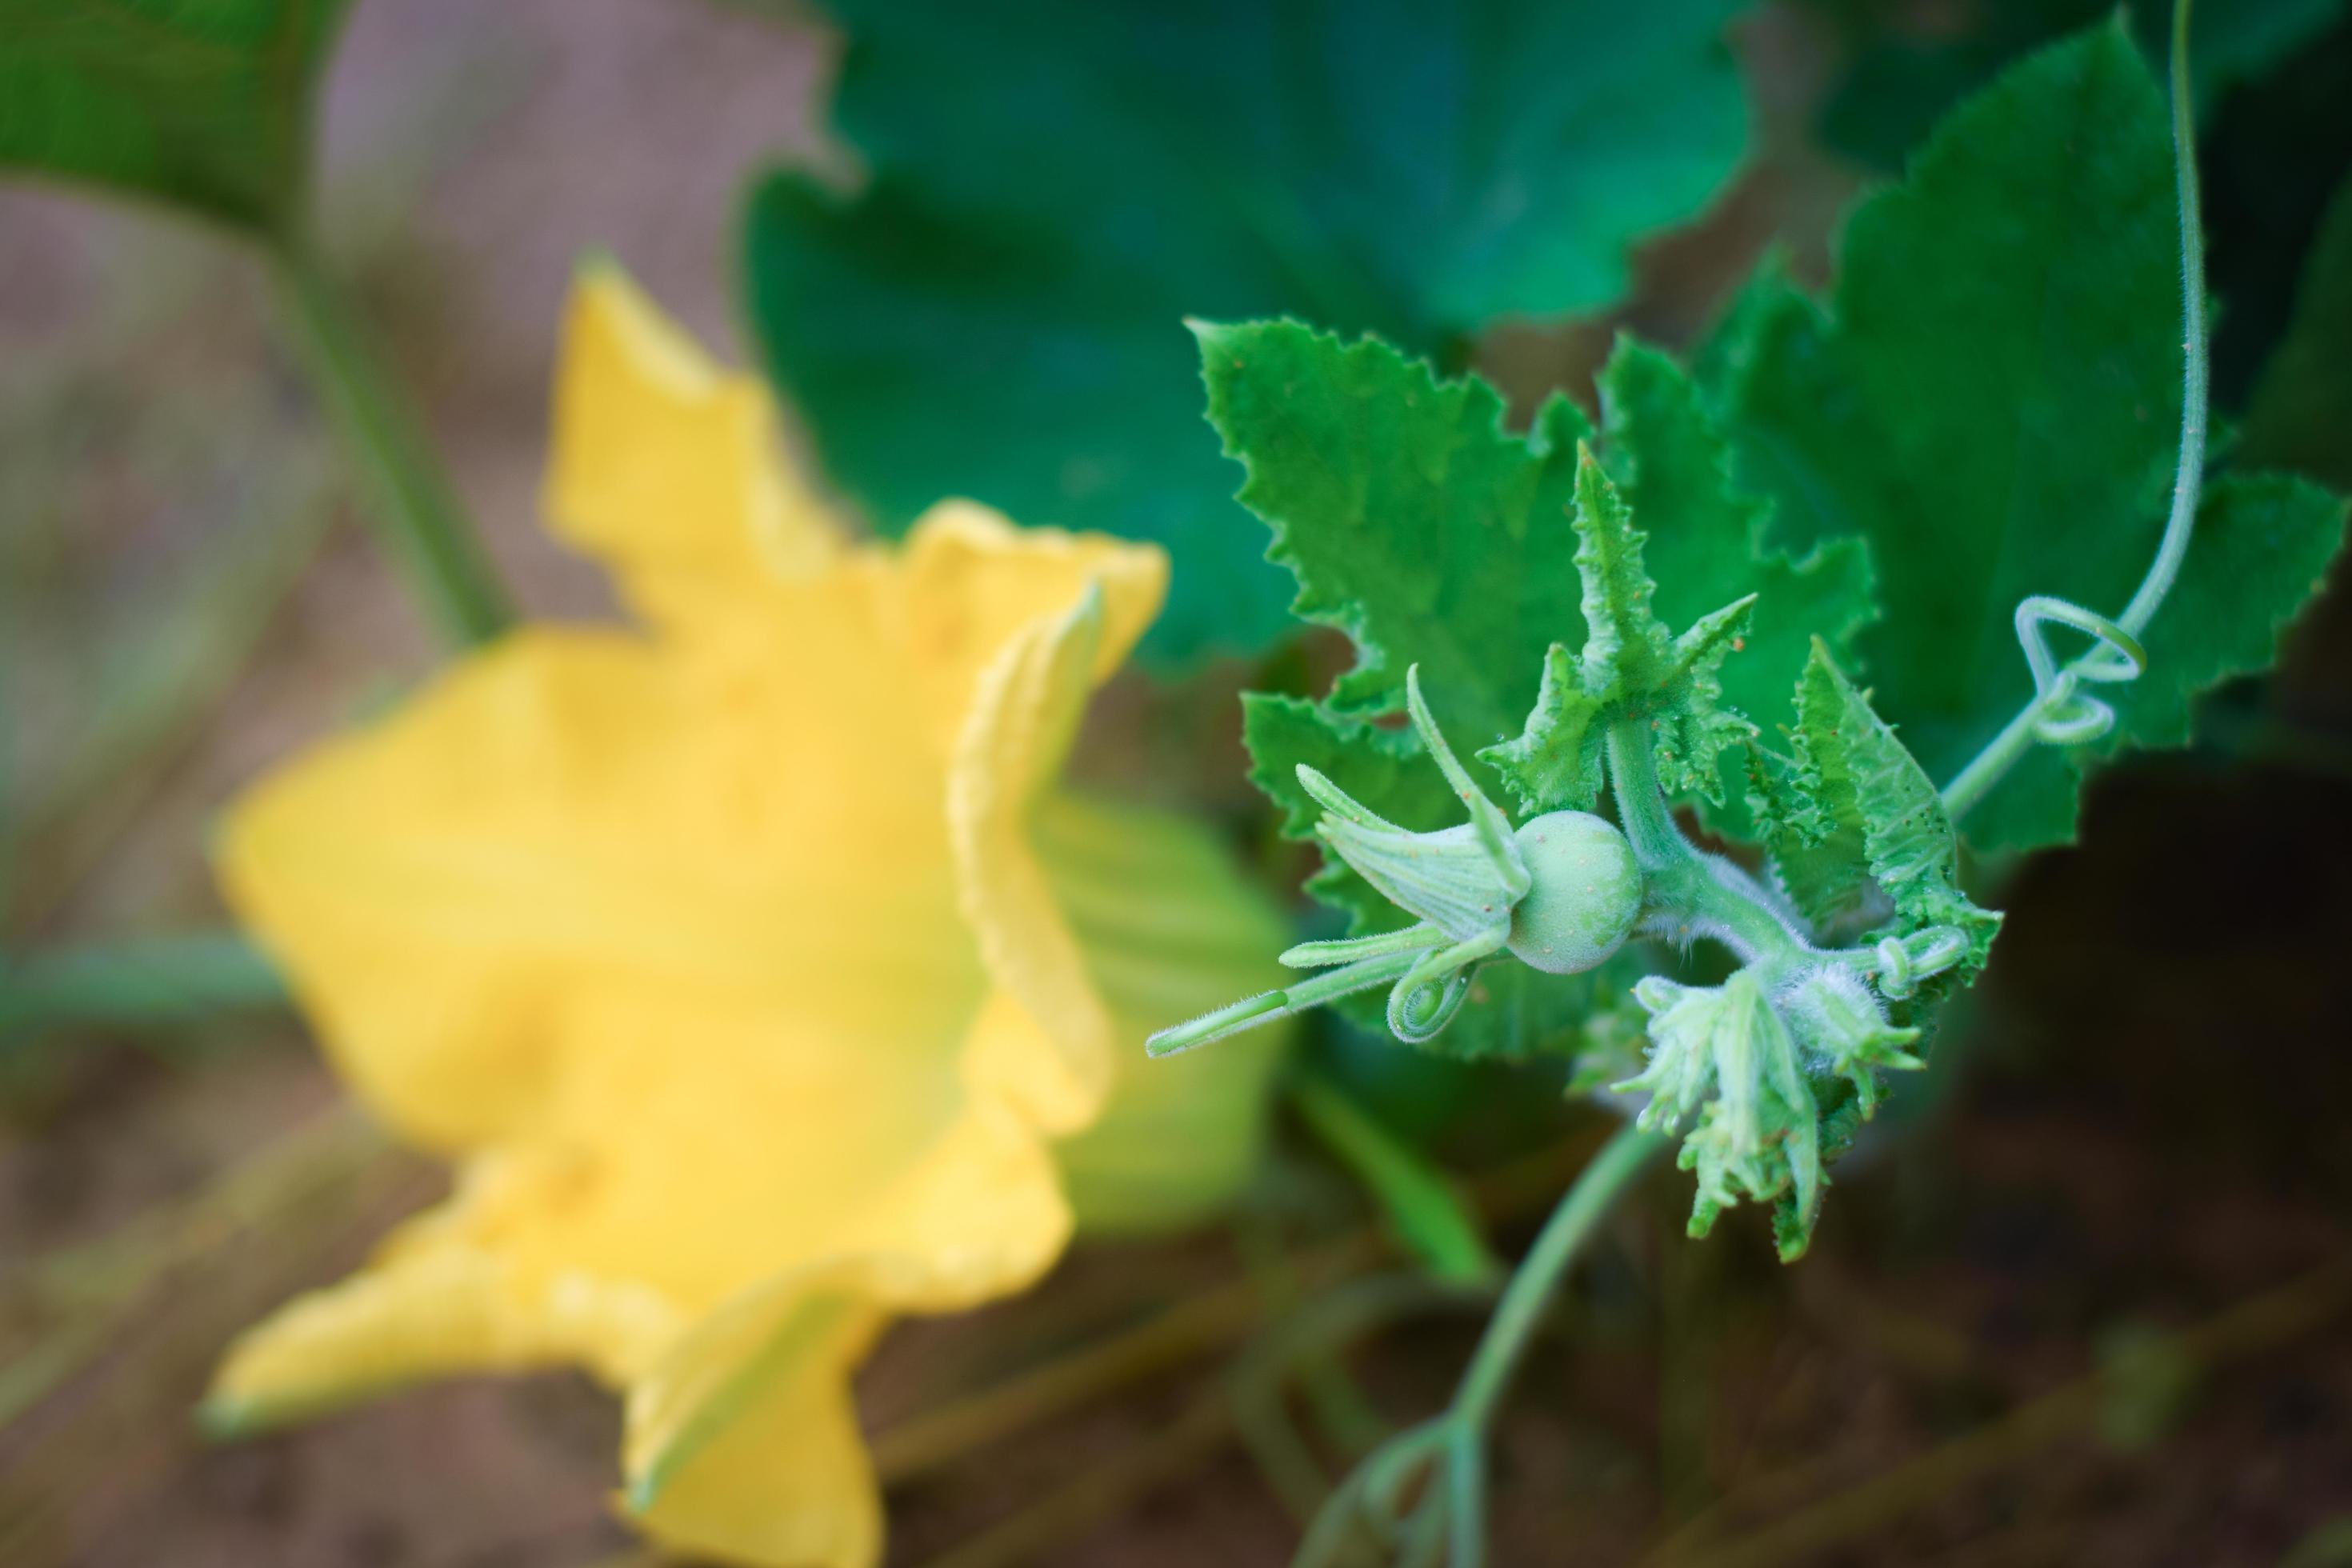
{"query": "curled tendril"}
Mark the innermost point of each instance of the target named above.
(1904, 961)
(1425, 1000)
(2068, 717)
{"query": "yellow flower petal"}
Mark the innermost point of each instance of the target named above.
(432, 1307)
(666, 467)
(564, 840)
(743, 1445)
(1177, 1138)
(741, 984)
(968, 582)
(604, 1257)
(1023, 716)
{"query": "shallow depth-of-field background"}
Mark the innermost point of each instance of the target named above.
(2092, 1304)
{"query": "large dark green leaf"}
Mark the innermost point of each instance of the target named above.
(1055, 184)
(2302, 414)
(1898, 85)
(1992, 398)
(204, 104)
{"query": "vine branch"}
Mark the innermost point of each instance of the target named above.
(2059, 712)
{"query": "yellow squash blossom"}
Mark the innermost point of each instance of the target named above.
(748, 962)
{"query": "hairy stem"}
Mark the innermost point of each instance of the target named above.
(1587, 1202)
(1642, 811)
(416, 513)
(1687, 895)
(1446, 1458)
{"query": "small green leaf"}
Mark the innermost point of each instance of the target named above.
(1630, 668)
(1868, 787)
(207, 107)
(1053, 188)
(1423, 1206)
(1412, 519)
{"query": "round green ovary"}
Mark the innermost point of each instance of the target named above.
(1586, 895)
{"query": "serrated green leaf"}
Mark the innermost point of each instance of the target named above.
(1630, 667)
(2301, 417)
(1513, 1010)
(1867, 783)
(1055, 186)
(206, 107)
(1412, 519)
(1992, 399)
(1707, 543)
(1896, 85)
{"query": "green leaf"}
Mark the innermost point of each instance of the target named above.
(1897, 86)
(1992, 399)
(1867, 787)
(1513, 1010)
(1709, 543)
(1052, 188)
(205, 106)
(1628, 668)
(2301, 417)
(1413, 521)
(1422, 1207)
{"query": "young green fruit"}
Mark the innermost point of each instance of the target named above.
(1560, 893)
(1584, 892)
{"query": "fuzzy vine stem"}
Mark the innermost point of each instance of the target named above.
(2057, 712)
(1445, 1457)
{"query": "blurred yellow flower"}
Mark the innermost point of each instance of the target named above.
(749, 963)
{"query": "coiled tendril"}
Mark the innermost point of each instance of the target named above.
(2065, 716)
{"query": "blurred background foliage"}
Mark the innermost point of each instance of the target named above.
(2075, 1311)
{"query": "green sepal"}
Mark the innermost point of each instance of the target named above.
(1628, 667)
(1512, 1011)
(1842, 1026)
(1464, 880)
(1861, 787)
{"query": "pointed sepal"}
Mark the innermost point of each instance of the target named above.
(1853, 805)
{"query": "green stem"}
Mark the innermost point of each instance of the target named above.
(2019, 734)
(416, 514)
(1428, 1215)
(1588, 1202)
(1685, 895)
(1642, 810)
(2189, 476)
(158, 980)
